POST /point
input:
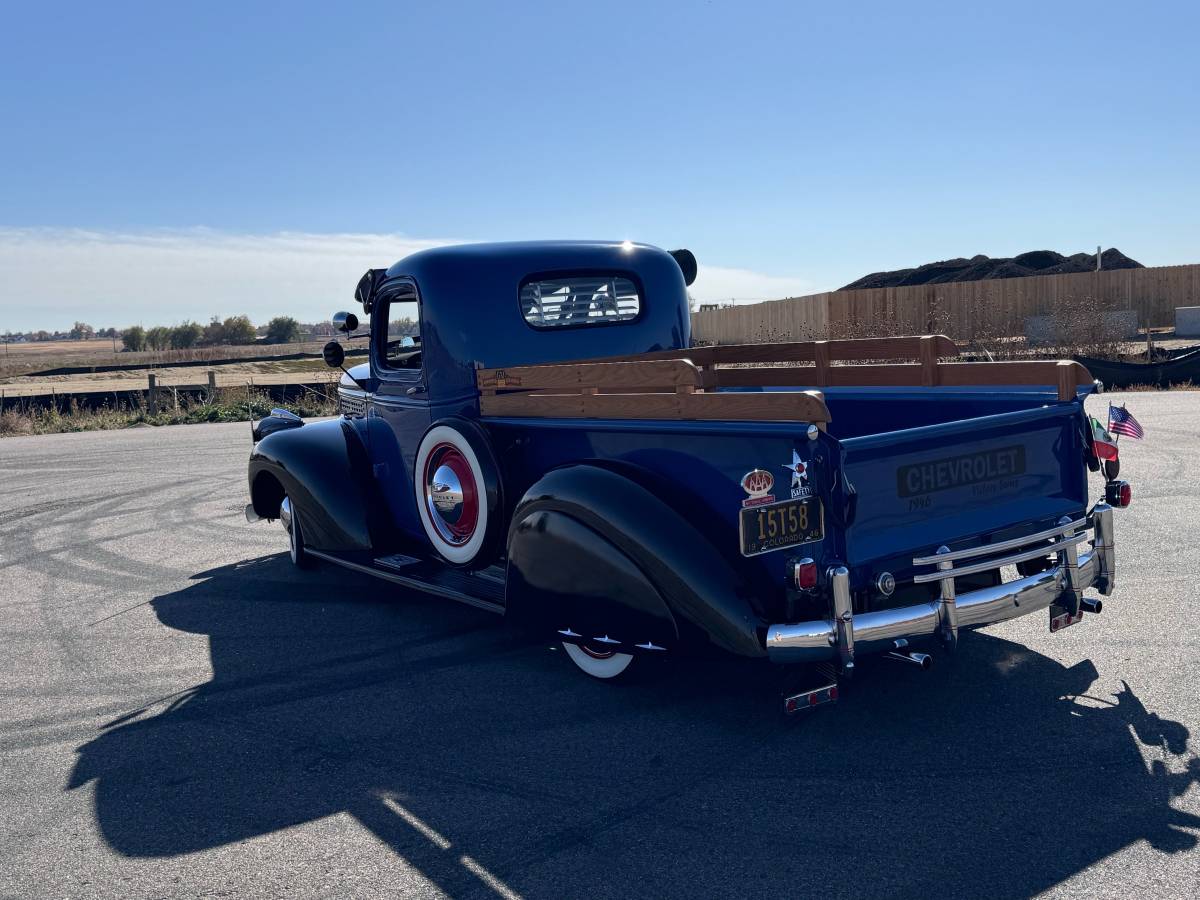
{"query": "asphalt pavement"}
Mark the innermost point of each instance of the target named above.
(184, 714)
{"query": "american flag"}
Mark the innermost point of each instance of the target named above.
(1121, 421)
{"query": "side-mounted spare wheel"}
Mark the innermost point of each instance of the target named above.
(459, 498)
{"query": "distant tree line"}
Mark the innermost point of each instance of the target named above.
(233, 330)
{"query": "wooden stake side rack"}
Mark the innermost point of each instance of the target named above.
(683, 384)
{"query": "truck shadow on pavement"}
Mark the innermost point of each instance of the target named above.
(488, 764)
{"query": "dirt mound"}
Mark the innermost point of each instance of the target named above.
(979, 268)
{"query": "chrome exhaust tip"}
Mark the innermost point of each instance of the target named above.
(1087, 604)
(923, 660)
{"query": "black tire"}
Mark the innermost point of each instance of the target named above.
(291, 523)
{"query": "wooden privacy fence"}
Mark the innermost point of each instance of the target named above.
(961, 309)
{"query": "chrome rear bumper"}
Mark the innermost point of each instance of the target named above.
(845, 635)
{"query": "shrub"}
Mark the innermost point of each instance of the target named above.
(134, 338)
(238, 330)
(282, 330)
(186, 335)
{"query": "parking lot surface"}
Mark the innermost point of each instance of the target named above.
(183, 713)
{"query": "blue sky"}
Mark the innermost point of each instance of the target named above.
(256, 156)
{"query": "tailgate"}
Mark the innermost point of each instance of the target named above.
(973, 481)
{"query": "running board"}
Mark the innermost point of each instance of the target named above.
(483, 590)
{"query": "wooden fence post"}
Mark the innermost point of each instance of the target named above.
(212, 385)
(152, 396)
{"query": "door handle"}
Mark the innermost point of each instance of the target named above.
(415, 389)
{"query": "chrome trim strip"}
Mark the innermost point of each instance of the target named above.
(974, 569)
(1105, 548)
(948, 608)
(843, 616)
(1001, 546)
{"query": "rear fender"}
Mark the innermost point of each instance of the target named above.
(565, 574)
(325, 469)
(700, 591)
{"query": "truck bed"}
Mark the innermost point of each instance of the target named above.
(934, 452)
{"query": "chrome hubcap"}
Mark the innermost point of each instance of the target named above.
(446, 495)
(285, 515)
(451, 496)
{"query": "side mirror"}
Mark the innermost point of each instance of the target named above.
(334, 355)
(687, 265)
(345, 322)
(365, 292)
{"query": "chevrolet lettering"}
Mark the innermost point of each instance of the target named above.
(960, 471)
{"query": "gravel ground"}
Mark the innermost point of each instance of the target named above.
(182, 713)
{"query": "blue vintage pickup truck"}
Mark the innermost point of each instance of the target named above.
(534, 434)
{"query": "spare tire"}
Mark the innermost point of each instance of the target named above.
(458, 493)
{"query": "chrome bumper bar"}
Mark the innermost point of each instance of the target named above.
(845, 634)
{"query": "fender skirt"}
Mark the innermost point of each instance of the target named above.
(616, 556)
(325, 469)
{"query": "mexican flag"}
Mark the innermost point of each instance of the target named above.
(1103, 443)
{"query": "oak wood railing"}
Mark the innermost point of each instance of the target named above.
(684, 384)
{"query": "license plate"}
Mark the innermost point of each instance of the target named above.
(778, 525)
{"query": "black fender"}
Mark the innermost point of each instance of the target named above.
(325, 469)
(582, 524)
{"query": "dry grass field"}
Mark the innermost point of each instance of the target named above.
(21, 359)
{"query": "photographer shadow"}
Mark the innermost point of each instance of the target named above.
(483, 761)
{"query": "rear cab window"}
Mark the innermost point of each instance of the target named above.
(579, 300)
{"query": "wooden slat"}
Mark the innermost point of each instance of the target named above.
(789, 406)
(669, 374)
(908, 347)
(1064, 376)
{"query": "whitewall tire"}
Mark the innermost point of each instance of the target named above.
(597, 663)
(453, 498)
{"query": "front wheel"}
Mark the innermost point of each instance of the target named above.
(598, 663)
(291, 524)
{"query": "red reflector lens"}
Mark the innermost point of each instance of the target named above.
(806, 576)
(1126, 495)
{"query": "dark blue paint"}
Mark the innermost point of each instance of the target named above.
(470, 317)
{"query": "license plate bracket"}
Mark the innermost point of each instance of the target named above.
(775, 526)
(1061, 618)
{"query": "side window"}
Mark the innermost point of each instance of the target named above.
(579, 300)
(398, 346)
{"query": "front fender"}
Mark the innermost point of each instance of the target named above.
(325, 469)
(701, 590)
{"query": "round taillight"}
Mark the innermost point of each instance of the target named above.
(1118, 494)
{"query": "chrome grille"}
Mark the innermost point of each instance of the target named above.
(354, 407)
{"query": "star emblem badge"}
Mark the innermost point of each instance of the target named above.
(798, 469)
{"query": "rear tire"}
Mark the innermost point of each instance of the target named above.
(291, 524)
(602, 664)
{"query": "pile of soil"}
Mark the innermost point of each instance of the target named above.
(979, 268)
